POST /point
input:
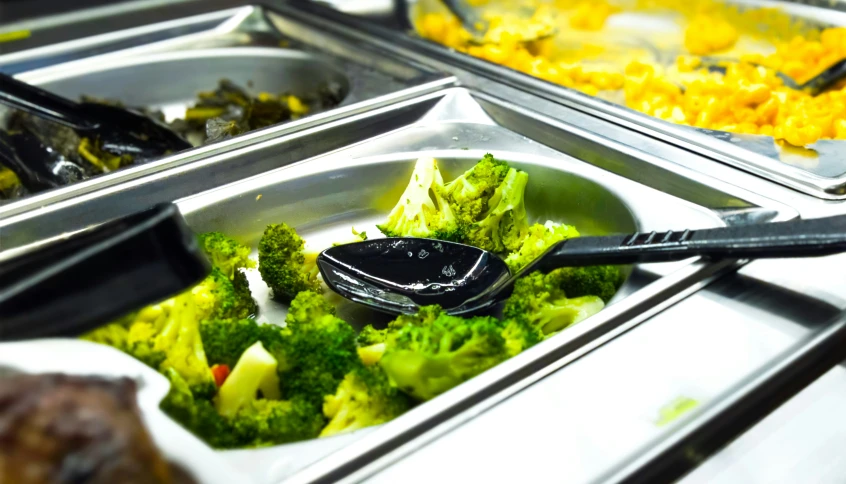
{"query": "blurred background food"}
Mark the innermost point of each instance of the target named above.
(57, 428)
(67, 157)
(648, 55)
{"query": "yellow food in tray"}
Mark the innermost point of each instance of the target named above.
(749, 98)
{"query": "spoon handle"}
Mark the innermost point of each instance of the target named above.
(826, 79)
(41, 103)
(797, 238)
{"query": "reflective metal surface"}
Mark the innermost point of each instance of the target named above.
(589, 399)
(592, 415)
(357, 186)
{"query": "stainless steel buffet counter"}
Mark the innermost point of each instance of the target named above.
(727, 342)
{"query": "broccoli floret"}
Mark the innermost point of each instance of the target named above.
(505, 224)
(167, 335)
(421, 210)
(539, 301)
(364, 398)
(468, 194)
(258, 423)
(273, 422)
(321, 349)
(226, 339)
(423, 317)
(371, 336)
(425, 361)
(225, 253)
(254, 372)
(314, 351)
(284, 265)
(308, 308)
(519, 336)
(371, 344)
(133, 339)
(601, 281)
(114, 335)
(215, 296)
(198, 415)
(229, 258)
(178, 338)
(245, 306)
(539, 239)
(139, 344)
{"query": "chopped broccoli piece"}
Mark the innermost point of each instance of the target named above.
(314, 351)
(179, 340)
(114, 335)
(215, 296)
(364, 398)
(225, 253)
(601, 281)
(424, 316)
(371, 336)
(519, 336)
(372, 342)
(539, 239)
(272, 422)
(308, 308)
(283, 264)
(225, 340)
(540, 301)
(140, 344)
(166, 337)
(505, 224)
(198, 415)
(254, 372)
(258, 423)
(133, 339)
(421, 211)
(245, 306)
(468, 194)
(425, 361)
(321, 349)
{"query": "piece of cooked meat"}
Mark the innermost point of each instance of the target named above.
(63, 429)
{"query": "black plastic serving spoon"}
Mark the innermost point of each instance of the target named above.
(120, 131)
(813, 86)
(399, 275)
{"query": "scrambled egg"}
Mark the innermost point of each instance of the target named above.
(592, 15)
(708, 34)
(747, 99)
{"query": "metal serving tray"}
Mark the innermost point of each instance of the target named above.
(357, 185)
(258, 49)
(735, 348)
(823, 176)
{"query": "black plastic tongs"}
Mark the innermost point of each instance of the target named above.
(91, 278)
(814, 86)
(399, 275)
(119, 130)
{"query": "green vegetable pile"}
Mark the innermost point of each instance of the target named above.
(239, 383)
